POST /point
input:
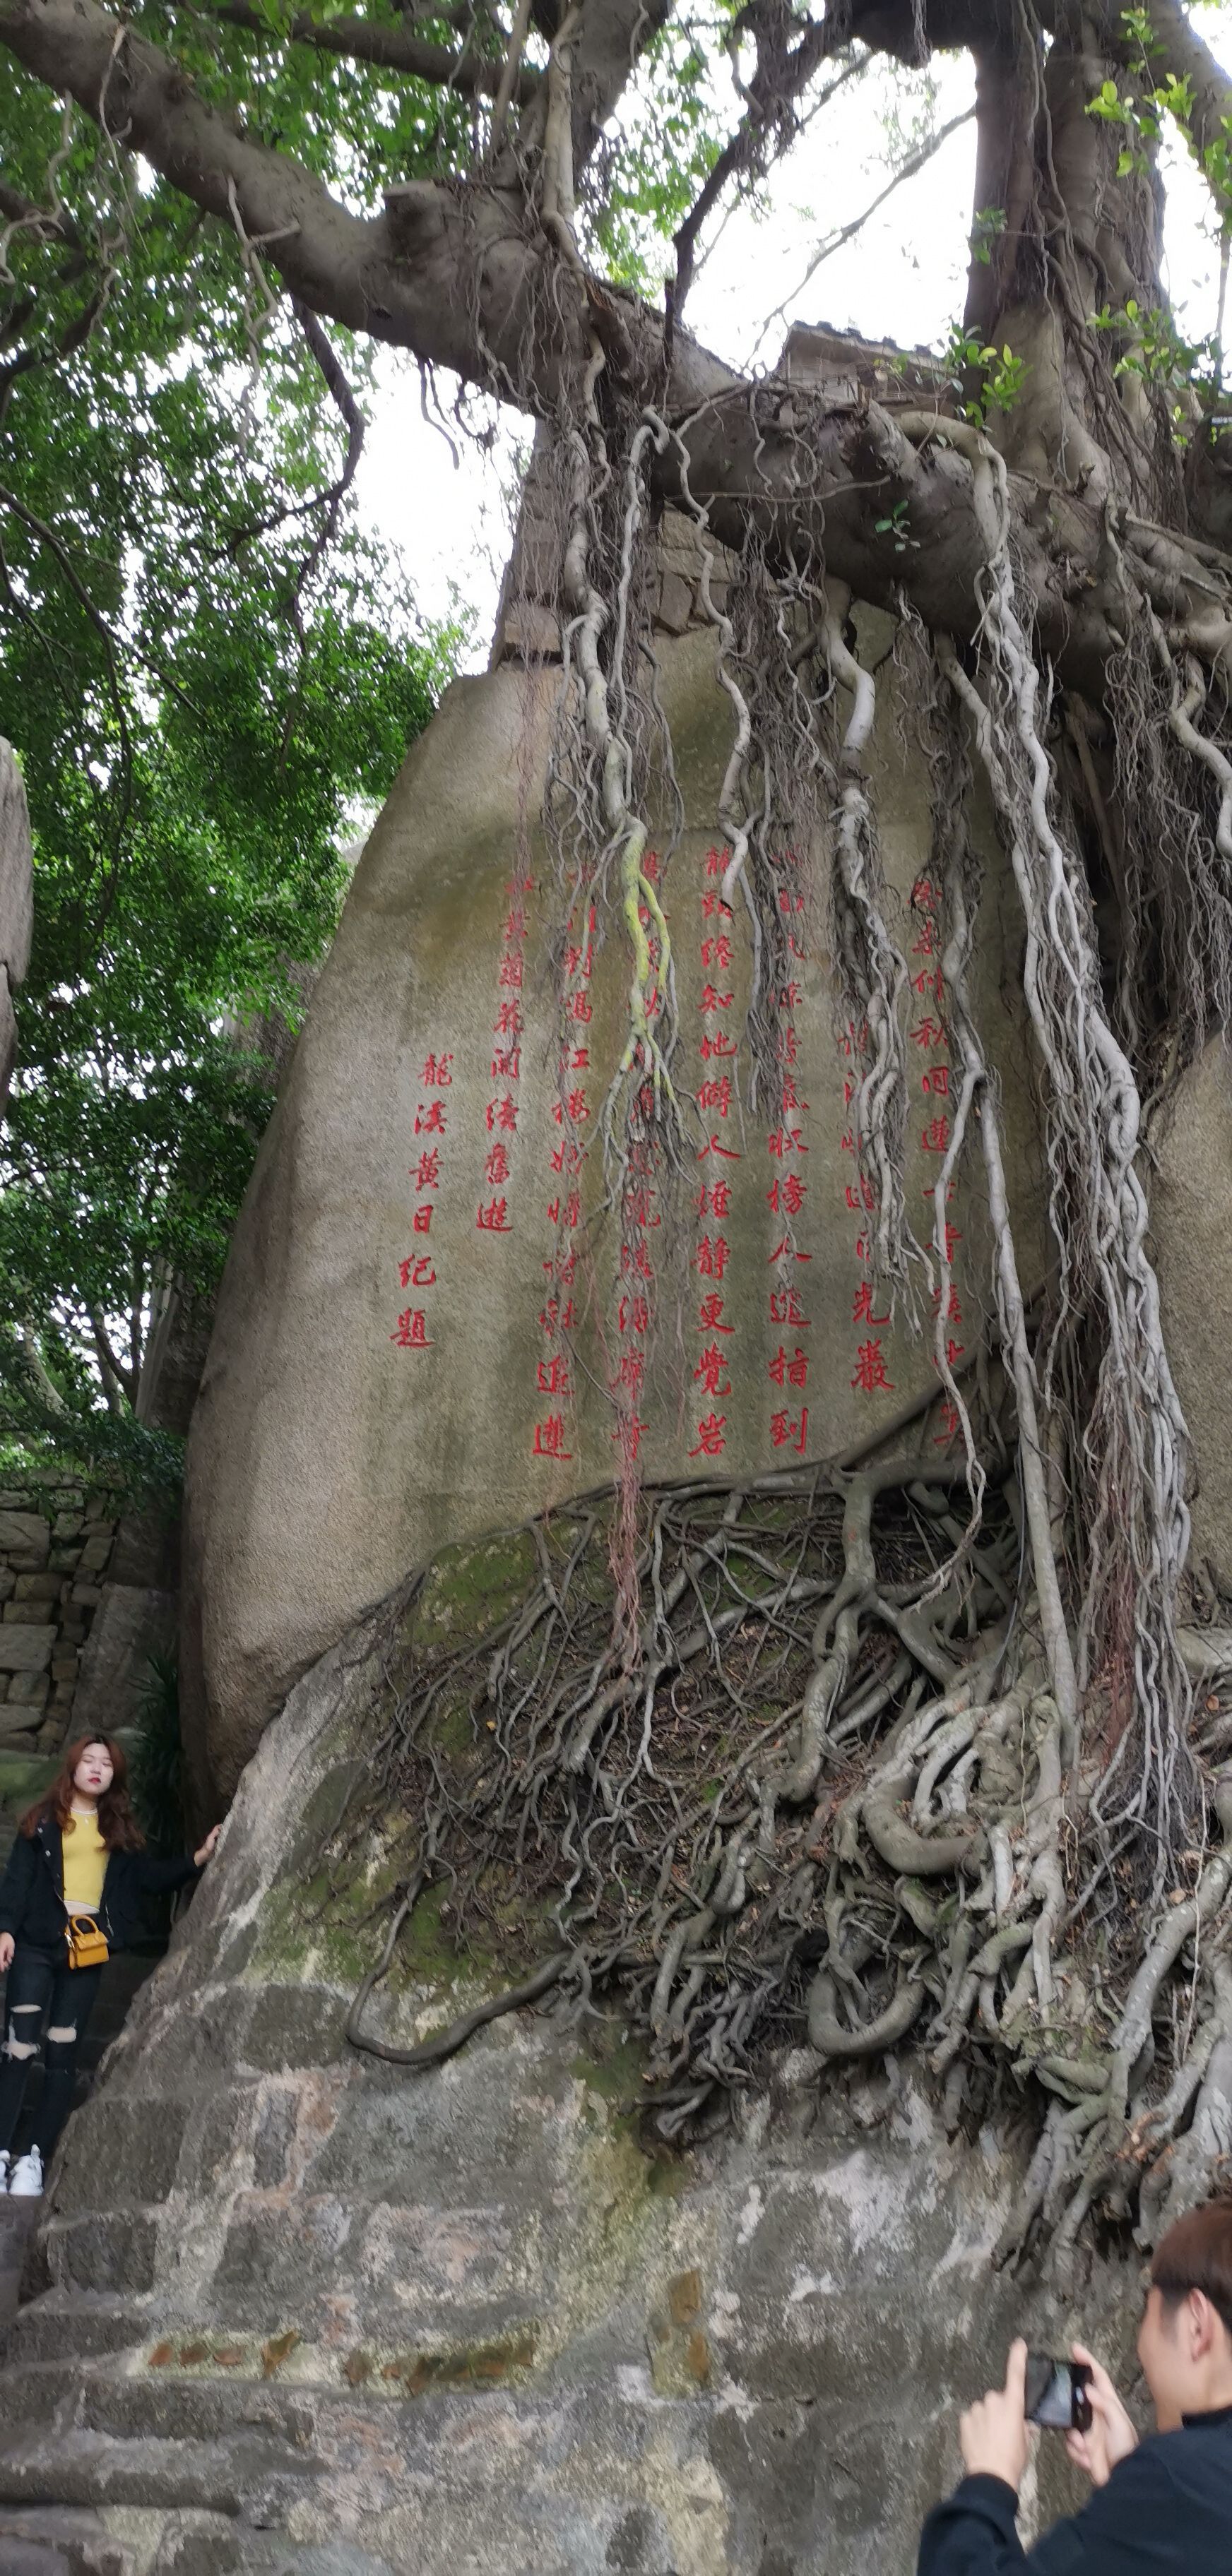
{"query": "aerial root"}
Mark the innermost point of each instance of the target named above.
(816, 1808)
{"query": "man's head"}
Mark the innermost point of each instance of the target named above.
(1185, 2339)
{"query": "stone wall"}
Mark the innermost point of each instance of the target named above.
(56, 1545)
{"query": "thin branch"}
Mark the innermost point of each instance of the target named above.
(511, 70)
(777, 83)
(110, 1366)
(910, 169)
(38, 220)
(389, 48)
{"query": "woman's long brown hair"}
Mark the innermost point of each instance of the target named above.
(116, 1822)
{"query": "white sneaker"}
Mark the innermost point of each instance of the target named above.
(26, 2179)
(4, 2170)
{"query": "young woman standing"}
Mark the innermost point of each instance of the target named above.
(69, 1897)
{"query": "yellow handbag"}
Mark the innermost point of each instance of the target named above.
(87, 1946)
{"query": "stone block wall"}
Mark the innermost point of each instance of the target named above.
(56, 1544)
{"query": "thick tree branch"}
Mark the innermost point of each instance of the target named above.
(390, 48)
(465, 278)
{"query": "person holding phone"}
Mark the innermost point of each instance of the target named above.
(1158, 2507)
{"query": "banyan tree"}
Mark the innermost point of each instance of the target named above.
(913, 1736)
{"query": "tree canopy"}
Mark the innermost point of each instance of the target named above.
(208, 671)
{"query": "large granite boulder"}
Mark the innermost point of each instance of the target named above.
(383, 1374)
(299, 2310)
(16, 904)
(1191, 1230)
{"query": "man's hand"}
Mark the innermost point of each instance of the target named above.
(1112, 2436)
(207, 1848)
(994, 2435)
(7, 1947)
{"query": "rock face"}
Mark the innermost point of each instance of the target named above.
(389, 1367)
(1191, 1227)
(292, 2301)
(16, 904)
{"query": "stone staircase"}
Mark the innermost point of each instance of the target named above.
(104, 2474)
(97, 2464)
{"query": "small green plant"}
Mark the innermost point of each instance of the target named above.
(895, 525)
(1000, 376)
(988, 228)
(1156, 352)
(1140, 113)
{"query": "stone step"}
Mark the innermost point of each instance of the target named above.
(96, 2397)
(18, 2220)
(241, 2474)
(56, 2540)
(69, 2328)
(48, 2541)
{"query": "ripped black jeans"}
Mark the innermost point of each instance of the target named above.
(43, 1988)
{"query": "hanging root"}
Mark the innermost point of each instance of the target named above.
(1132, 1450)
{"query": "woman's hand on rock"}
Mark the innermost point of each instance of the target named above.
(207, 1848)
(7, 1947)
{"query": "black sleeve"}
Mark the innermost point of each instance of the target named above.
(155, 1877)
(973, 2533)
(16, 1884)
(1129, 2528)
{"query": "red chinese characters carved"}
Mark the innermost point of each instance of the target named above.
(709, 1316)
(787, 1434)
(871, 1369)
(411, 1332)
(710, 1439)
(549, 1439)
(790, 1372)
(709, 1371)
(493, 1219)
(785, 1308)
(715, 1200)
(862, 1306)
(713, 1253)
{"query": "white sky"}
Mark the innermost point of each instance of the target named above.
(902, 279)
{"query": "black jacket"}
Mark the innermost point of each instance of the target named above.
(32, 1889)
(1166, 2511)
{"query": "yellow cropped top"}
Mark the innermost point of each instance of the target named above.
(85, 1863)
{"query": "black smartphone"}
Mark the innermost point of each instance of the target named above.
(1058, 2394)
